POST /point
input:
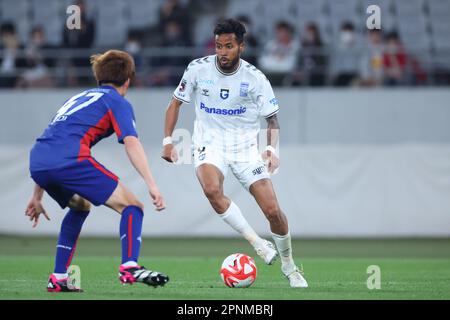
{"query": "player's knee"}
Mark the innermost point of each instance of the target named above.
(138, 204)
(85, 205)
(212, 191)
(272, 212)
(79, 204)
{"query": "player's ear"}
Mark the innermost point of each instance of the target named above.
(127, 83)
(242, 46)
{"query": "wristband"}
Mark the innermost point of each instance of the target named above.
(271, 149)
(167, 140)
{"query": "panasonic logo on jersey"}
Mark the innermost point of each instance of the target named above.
(229, 112)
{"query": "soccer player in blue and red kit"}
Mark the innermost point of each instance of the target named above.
(62, 165)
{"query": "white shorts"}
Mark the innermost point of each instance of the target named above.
(247, 173)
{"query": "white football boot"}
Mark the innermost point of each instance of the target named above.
(296, 279)
(267, 252)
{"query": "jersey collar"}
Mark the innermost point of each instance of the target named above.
(223, 73)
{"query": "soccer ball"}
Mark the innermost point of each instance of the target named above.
(238, 271)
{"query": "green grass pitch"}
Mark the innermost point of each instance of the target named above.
(335, 269)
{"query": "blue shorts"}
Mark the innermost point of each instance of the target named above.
(86, 178)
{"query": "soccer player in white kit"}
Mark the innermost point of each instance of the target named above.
(230, 97)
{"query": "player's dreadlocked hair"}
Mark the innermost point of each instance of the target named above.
(231, 26)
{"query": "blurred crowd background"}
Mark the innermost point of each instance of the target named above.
(295, 42)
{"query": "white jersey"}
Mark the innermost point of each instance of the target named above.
(228, 107)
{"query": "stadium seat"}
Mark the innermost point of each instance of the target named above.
(254, 10)
(414, 32)
(343, 11)
(281, 10)
(143, 13)
(321, 22)
(441, 41)
(385, 5)
(111, 23)
(440, 26)
(308, 8)
(17, 12)
(49, 14)
(343, 7)
(439, 9)
(312, 11)
(409, 8)
(203, 29)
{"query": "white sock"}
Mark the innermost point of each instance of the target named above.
(130, 263)
(234, 218)
(284, 247)
(60, 276)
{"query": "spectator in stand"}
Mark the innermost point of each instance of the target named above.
(371, 66)
(168, 68)
(133, 46)
(313, 59)
(394, 61)
(345, 66)
(400, 68)
(174, 10)
(37, 73)
(279, 57)
(10, 62)
(251, 41)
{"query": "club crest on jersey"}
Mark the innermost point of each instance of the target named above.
(243, 92)
(182, 87)
(224, 93)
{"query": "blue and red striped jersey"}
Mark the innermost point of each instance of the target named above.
(79, 124)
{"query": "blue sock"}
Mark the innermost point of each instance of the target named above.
(130, 233)
(68, 236)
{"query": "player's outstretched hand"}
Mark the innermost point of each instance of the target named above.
(158, 199)
(170, 153)
(34, 210)
(271, 160)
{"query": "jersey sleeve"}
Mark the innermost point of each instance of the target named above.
(266, 100)
(123, 120)
(186, 87)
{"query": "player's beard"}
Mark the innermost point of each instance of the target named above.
(232, 65)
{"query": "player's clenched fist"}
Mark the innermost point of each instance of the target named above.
(170, 153)
(271, 160)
